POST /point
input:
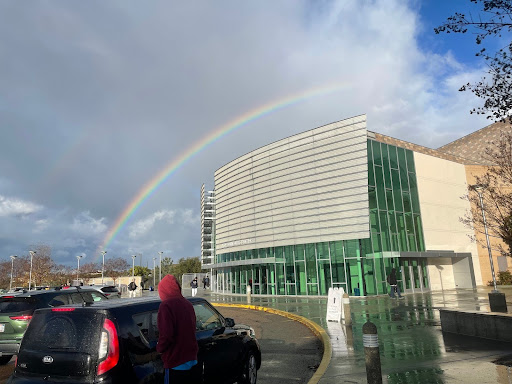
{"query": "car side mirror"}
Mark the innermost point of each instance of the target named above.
(230, 322)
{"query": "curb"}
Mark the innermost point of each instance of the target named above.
(314, 327)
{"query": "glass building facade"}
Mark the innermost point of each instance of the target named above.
(360, 266)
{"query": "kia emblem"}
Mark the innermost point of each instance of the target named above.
(47, 359)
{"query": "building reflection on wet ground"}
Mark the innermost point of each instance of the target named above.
(413, 348)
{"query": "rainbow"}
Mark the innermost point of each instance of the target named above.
(149, 189)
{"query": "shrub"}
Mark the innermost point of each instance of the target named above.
(504, 278)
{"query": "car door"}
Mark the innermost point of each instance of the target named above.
(146, 361)
(219, 347)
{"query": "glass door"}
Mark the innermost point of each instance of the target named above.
(413, 276)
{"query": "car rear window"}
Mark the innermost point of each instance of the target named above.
(109, 289)
(16, 304)
(72, 330)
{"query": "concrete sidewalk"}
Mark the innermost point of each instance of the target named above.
(412, 347)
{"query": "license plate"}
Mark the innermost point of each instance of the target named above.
(2, 327)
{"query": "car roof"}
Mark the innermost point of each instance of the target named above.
(114, 304)
(50, 291)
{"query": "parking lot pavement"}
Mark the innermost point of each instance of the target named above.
(290, 351)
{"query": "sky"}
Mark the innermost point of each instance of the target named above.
(109, 108)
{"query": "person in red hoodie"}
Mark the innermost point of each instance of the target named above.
(177, 334)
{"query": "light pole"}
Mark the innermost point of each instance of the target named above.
(154, 259)
(479, 188)
(78, 269)
(32, 253)
(12, 268)
(497, 300)
(160, 268)
(133, 265)
(102, 265)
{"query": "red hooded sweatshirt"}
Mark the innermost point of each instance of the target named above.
(176, 325)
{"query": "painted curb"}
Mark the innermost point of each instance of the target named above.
(314, 327)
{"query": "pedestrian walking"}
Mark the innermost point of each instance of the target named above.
(177, 342)
(193, 285)
(393, 283)
(132, 288)
(206, 282)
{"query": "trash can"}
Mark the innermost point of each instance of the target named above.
(357, 292)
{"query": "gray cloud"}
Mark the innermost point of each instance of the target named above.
(97, 98)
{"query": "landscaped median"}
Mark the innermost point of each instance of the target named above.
(315, 328)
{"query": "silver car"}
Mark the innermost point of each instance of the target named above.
(110, 291)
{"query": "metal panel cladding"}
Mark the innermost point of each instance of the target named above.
(310, 187)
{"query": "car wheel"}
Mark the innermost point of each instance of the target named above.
(250, 373)
(5, 359)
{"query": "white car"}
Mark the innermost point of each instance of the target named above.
(110, 291)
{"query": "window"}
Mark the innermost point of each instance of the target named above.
(16, 304)
(206, 318)
(147, 323)
(59, 300)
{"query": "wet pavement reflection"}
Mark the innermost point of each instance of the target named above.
(412, 347)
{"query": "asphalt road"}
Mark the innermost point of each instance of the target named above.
(290, 351)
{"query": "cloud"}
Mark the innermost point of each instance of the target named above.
(143, 226)
(98, 99)
(17, 207)
(189, 217)
(85, 225)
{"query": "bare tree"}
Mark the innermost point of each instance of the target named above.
(497, 196)
(62, 274)
(116, 267)
(89, 270)
(5, 274)
(42, 264)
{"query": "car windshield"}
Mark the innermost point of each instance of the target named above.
(109, 289)
(66, 330)
(16, 304)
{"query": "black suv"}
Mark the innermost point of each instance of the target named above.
(115, 342)
(16, 312)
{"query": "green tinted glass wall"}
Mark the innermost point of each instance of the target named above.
(360, 266)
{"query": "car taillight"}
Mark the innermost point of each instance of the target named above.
(109, 347)
(21, 318)
(62, 309)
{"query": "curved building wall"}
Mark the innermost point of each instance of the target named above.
(311, 187)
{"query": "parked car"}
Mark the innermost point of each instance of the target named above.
(110, 291)
(16, 311)
(114, 341)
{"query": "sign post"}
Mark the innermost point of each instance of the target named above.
(335, 309)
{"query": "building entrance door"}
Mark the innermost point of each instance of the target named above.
(413, 276)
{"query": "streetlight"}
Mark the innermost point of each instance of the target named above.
(78, 269)
(154, 259)
(497, 300)
(103, 266)
(479, 188)
(32, 253)
(12, 268)
(133, 265)
(160, 270)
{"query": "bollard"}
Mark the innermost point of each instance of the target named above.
(371, 353)
(248, 294)
(346, 309)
